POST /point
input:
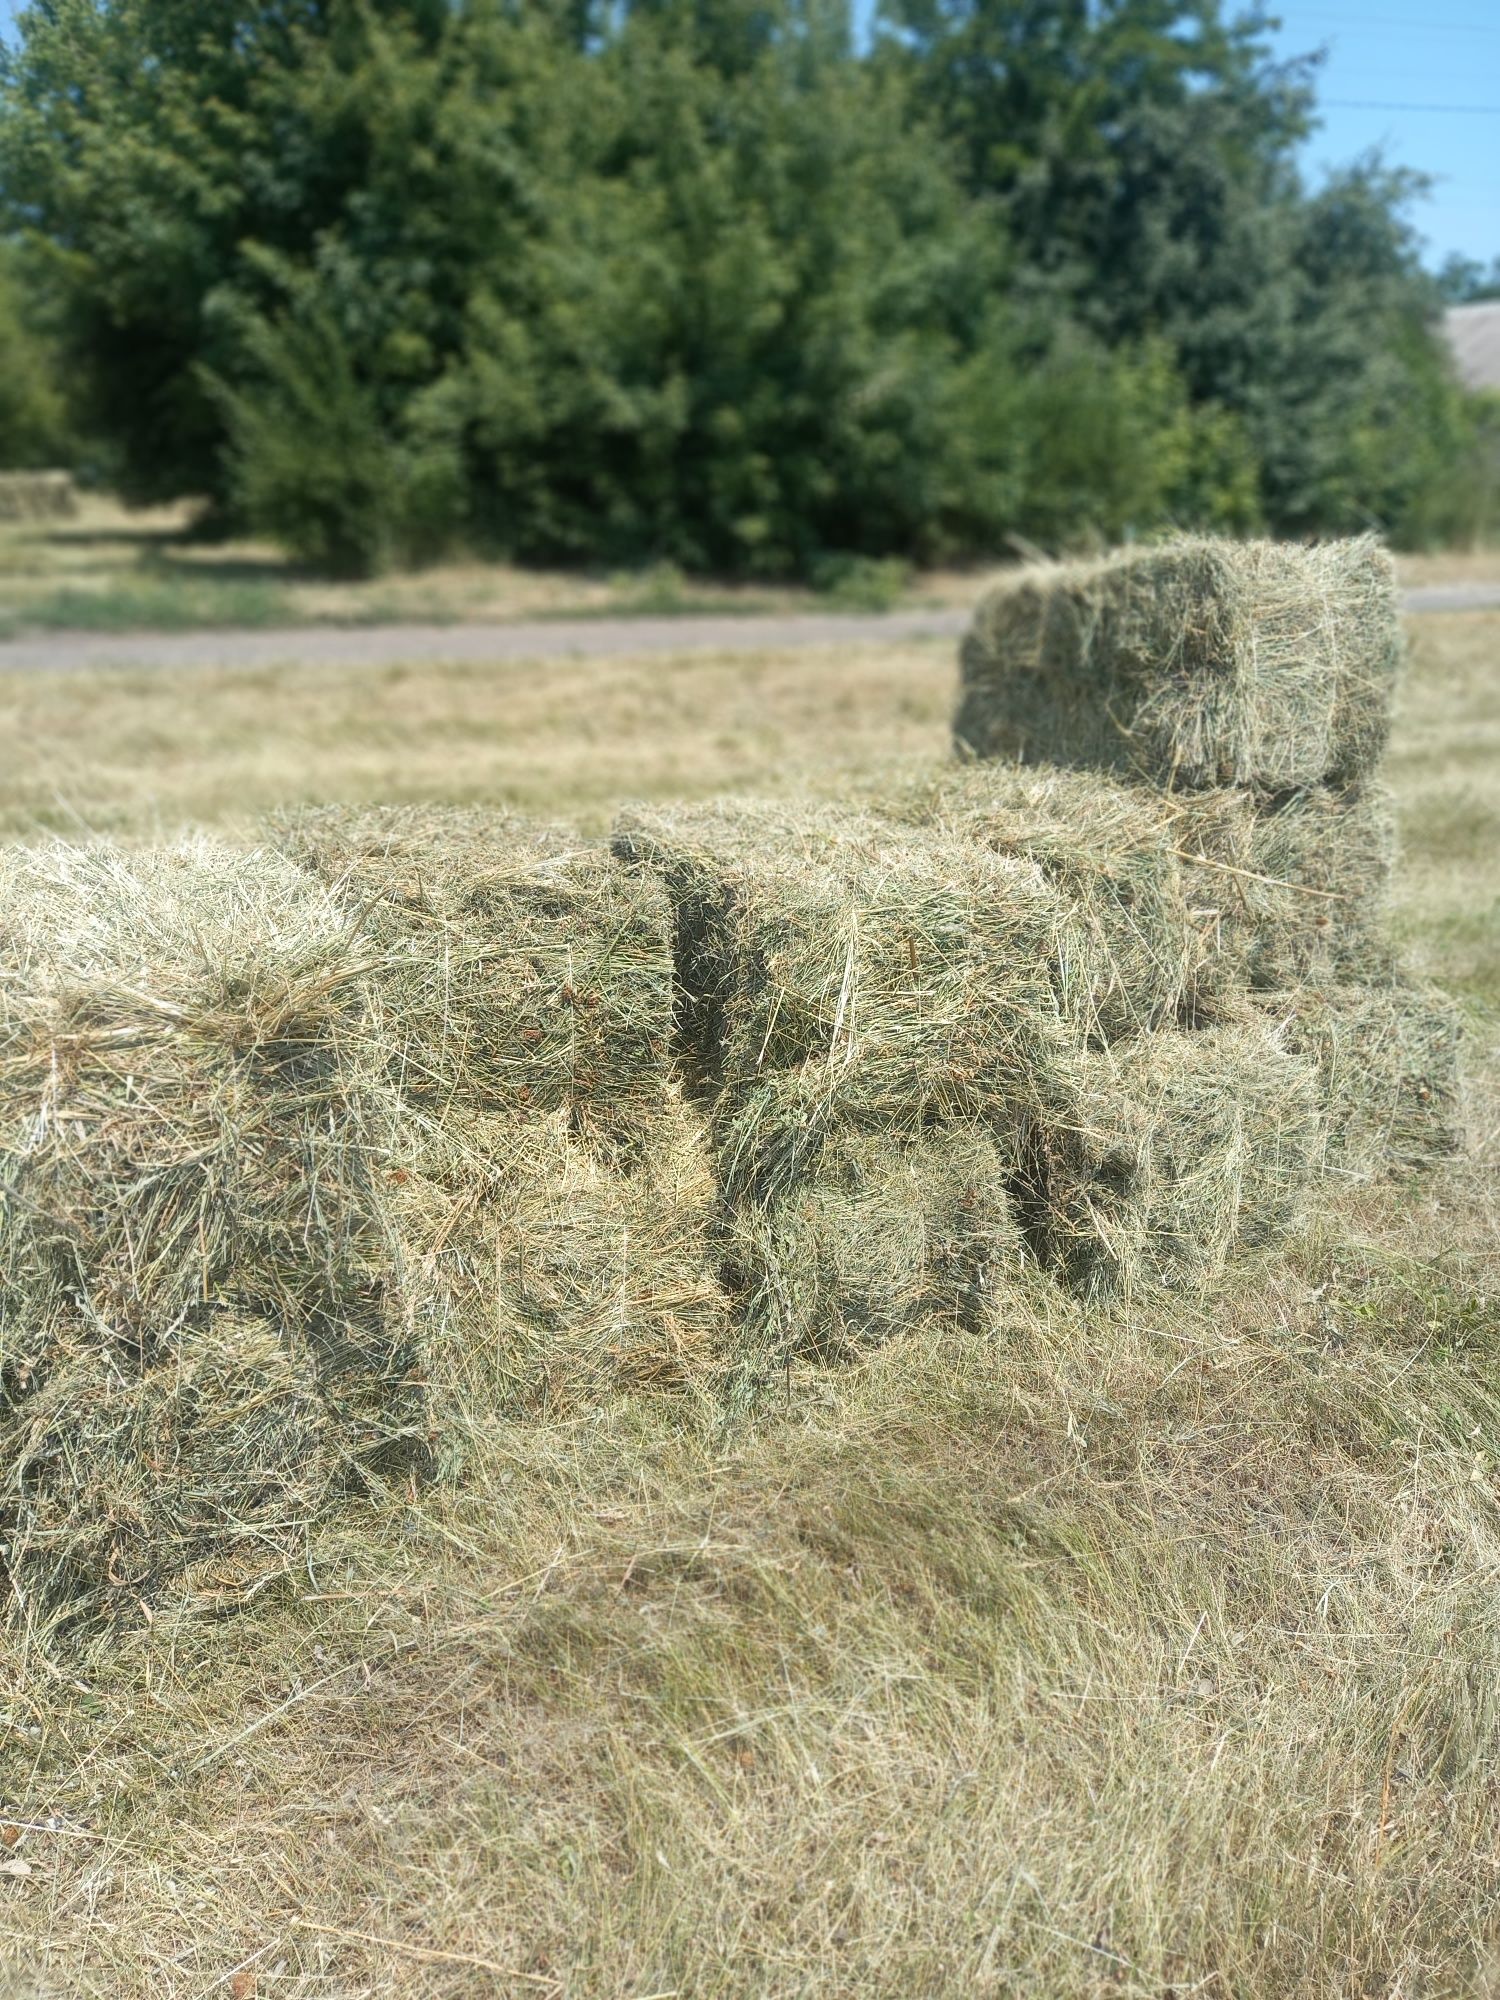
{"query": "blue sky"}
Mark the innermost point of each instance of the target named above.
(1426, 92)
(1385, 59)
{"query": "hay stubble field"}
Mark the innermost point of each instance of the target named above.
(1125, 1653)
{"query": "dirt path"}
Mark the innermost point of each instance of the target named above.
(536, 639)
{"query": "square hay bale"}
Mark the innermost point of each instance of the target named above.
(1302, 882)
(196, 1343)
(1388, 1063)
(521, 968)
(1197, 663)
(1147, 944)
(545, 1275)
(918, 970)
(841, 1236)
(1153, 1161)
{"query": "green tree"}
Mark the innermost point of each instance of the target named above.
(34, 427)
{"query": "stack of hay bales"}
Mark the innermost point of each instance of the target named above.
(308, 1183)
(522, 982)
(196, 1346)
(1246, 692)
(961, 1032)
(867, 1010)
(321, 1163)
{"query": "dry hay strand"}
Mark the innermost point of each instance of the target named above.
(1155, 1160)
(840, 1237)
(1388, 1062)
(521, 968)
(196, 1349)
(1151, 941)
(1198, 663)
(918, 971)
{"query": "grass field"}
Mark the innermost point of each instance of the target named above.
(1129, 1654)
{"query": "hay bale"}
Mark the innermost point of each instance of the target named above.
(196, 1346)
(1153, 1161)
(917, 969)
(841, 1235)
(1150, 941)
(1302, 883)
(1195, 664)
(522, 969)
(1388, 1063)
(37, 496)
(544, 1275)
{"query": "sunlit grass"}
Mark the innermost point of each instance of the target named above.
(1119, 1654)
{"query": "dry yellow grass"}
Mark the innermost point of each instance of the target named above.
(1115, 1656)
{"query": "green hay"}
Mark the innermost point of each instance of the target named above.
(920, 972)
(841, 1237)
(521, 968)
(1388, 1064)
(1195, 664)
(1154, 1161)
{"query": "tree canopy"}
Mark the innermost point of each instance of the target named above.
(706, 280)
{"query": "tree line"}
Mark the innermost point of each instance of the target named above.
(743, 285)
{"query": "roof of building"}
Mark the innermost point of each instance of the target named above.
(1473, 333)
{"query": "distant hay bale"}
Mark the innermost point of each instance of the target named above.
(1388, 1064)
(841, 1235)
(523, 969)
(1194, 664)
(195, 1345)
(917, 969)
(1156, 1159)
(37, 496)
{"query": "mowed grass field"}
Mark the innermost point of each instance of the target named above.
(1147, 1653)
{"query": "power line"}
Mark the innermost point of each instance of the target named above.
(1376, 104)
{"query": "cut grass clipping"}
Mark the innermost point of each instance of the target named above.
(1194, 664)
